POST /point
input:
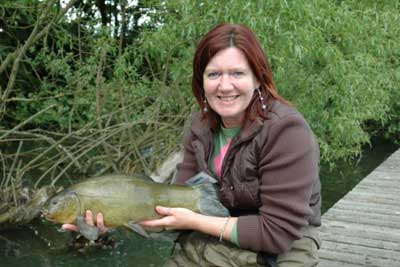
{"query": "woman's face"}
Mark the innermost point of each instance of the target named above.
(229, 85)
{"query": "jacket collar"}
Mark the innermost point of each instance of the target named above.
(202, 129)
(251, 128)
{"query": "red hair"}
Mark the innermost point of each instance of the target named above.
(234, 35)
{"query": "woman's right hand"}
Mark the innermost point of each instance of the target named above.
(89, 220)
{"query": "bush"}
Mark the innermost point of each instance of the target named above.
(337, 61)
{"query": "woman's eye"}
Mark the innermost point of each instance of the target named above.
(213, 75)
(237, 74)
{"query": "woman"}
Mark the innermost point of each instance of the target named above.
(260, 149)
(263, 154)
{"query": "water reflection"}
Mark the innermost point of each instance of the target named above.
(42, 244)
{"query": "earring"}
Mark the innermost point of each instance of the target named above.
(263, 105)
(205, 109)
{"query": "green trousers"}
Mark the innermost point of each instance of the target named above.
(197, 249)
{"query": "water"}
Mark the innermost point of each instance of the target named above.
(41, 244)
(336, 183)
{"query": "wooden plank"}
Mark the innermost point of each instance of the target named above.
(391, 198)
(350, 258)
(381, 209)
(360, 250)
(393, 222)
(376, 239)
(371, 231)
(389, 165)
(363, 228)
(381, 181)
(365, 208)
(340, 212)
(370, 189)
(374, 181)
(335, 263)
(386, 170)
(372, 199)
(367, 242)
(383, 174)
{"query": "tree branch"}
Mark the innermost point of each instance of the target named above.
(18, 54)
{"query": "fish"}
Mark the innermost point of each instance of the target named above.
(126, 200)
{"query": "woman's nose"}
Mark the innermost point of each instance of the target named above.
(225, 82)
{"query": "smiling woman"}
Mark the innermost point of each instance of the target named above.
(229, 85)
(263, 155)
(232, 61)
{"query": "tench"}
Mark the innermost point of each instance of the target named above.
(125, 200)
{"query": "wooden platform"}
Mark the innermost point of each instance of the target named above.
(363, 228)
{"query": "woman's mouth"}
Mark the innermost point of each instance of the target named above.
(228, 98)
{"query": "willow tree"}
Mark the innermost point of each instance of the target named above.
(91, 87)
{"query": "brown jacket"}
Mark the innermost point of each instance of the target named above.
(269, 176)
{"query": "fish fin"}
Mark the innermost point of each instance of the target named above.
(209, 202)
(156, 229)
(90, 232)
(166, 236)
(143, 177)
(200, 178)
(137, 228)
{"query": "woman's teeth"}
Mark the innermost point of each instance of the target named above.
(228, 98)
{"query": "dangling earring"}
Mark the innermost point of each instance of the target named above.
(263, 105)
(205, 109)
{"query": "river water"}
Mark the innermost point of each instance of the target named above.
(42, 244)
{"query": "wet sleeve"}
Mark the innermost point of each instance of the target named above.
(288, 168)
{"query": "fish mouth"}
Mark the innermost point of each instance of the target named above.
(44, 213)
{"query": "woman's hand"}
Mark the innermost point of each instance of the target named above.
(174, 218)
(89, 220)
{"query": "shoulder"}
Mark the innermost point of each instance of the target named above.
(195, 122)
(281, 115)
(195, 128)
(280, 111)
(286, 126)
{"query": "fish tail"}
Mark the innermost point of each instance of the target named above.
(209, 202)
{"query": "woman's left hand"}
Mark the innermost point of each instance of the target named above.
(174, 218)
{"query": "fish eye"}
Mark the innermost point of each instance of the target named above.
(54, 202)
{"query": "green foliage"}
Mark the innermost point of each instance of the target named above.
(337, 61)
